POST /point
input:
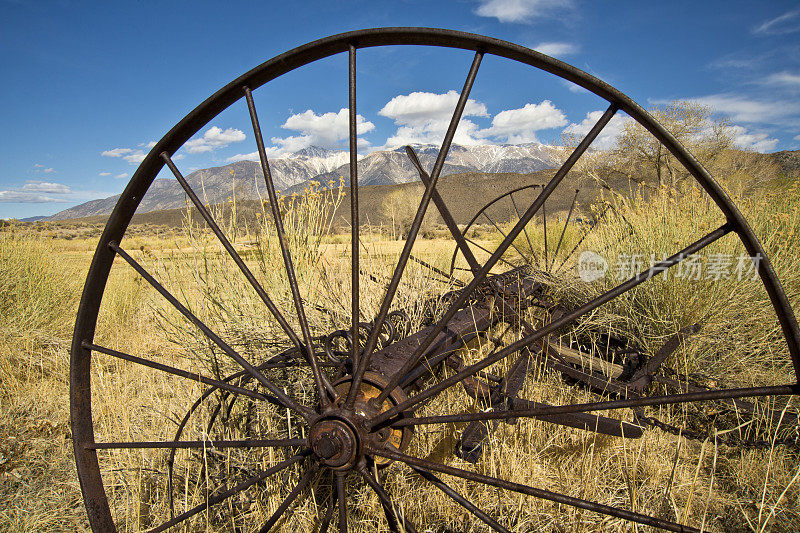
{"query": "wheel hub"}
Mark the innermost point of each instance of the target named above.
(337, 439)
(335, 443)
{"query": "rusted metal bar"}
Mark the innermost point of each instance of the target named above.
(412, 234)
(323, 385)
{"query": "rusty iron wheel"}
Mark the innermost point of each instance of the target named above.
(367, 416)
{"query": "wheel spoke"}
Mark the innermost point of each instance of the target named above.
(568, 318)
(445, 277)
(171, 370)
(524, 229)
(272, 520)
(355, 237)
(485, 214)
(564, 229)
(372, 342)
(580, 241)
(467, 239)
(321, 381)
(461, 500)
(531, 491)
(244, 485)
(544, 231)
(326, 520)
(285, 400)
(689, 397)
(231, 251)
(391, 512)
(341, 497)
(444, 212)
(255, 443)
(412, 361)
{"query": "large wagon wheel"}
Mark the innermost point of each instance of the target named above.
(363, 419)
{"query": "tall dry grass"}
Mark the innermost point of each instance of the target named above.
(660, 474)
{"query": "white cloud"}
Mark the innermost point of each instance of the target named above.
(12, 196)
(787, 23)
(214, 138)
(736, 62)
(328, 130)
(607, 136)
(784, 78)
(46, 187)
(120, 176)
(128, 154)
(521, 10)
(423, 117)
(148, 145)
(797, 138)
(37, 165)
(515, 126)
(116, 152)
(48, 170)
(252, 156)
(135, 157)
(105, 174)
(557, 49)
(760, 141)
(742, 109)
(36, 192)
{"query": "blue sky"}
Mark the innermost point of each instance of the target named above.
(87, 85)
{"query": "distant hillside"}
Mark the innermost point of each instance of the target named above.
(496, 164)
(393, 206)
(245, 181)
(788, 161)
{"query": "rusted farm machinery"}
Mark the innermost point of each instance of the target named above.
(368, 398)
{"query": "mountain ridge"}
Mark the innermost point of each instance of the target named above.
(293, 173)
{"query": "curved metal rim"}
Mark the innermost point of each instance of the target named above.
(481, 210)
(97, 507)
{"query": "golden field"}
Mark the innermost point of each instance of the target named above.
(705, 483)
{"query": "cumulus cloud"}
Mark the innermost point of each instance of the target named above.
(128, 154)
(328, 130)
(521, 10)
(758, 141)
(214, 138)
(515, 126)
(797, 138)
(557, 49)
(789, 22)
(423, 118)
(134, 158)
(44, 186)
(12, 196)
(37, 192)
(607, 136)
(116, 152)
(252, 156)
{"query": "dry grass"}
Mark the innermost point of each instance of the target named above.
(673, 478)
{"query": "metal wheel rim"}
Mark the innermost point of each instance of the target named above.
(80, 390)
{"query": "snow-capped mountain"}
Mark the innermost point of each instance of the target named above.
(244, 179)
